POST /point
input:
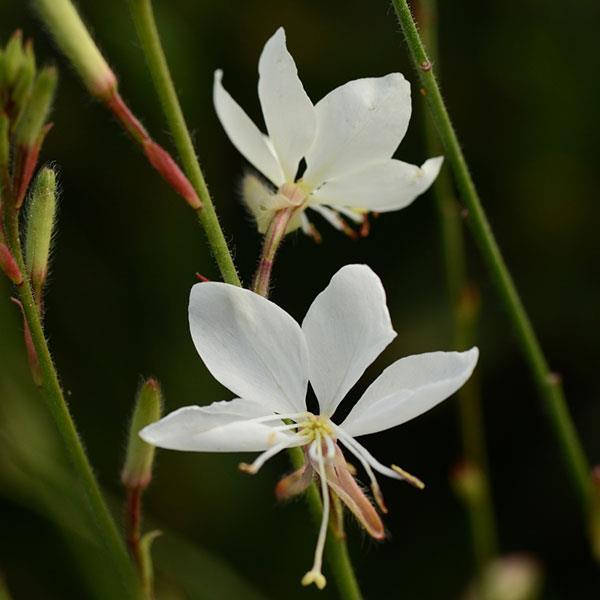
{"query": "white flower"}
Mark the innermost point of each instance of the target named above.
(347, 140)
(262, 355)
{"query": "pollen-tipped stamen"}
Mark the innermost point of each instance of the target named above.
(255, 466)
(375, 489)
(408, 477)
(335, 219)
(395, 472)
(315, 575)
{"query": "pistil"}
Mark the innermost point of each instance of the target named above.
(315, 575)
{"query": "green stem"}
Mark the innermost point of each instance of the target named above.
(547, 382)
(336, 550)
(57, 405)
(145, 23)
(464, 300)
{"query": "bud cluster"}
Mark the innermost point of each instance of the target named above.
(26, 96)
(26, 92)
(17, 74)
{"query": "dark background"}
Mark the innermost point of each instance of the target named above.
(521, 82)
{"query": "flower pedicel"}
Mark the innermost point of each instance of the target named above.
(262, 355)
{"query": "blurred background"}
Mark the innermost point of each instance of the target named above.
(521, 85)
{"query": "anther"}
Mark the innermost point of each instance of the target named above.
(415, 481)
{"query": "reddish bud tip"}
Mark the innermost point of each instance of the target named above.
(201, 278)
(9, 265)
(162, 161)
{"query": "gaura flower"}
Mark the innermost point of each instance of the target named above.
(262, 355)
(346, 140)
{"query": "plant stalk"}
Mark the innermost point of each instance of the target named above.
(52, 392)
(464, 300)
(547, 382)
(143, 16)
(134, 522)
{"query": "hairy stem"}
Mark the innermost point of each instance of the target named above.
(464, 299)
(52, 392)
(271, 243)
(547, 382)
(143, 17)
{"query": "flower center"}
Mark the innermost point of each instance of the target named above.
(314, 427)
(296, 193)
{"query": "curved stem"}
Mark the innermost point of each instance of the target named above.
(143, 17)
(464, 302)
(52, 391)
(547, 382)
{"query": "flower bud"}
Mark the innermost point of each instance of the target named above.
(73, 38)
(13, 58)
(137, 471)
(25, 78)
(36, 111)
(40, 226)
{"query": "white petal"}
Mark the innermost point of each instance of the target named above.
(289, 114)
(381, 187)
(346, 328)
(361, 121)
(250, 345)
(408, 388)
(219, 427)
(244, 134)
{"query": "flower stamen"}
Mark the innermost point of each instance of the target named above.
(334, 219)
(254, 467)
(377, 493)
(408, 477)
(315, 575)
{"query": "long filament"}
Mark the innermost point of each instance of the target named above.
(325, 518)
